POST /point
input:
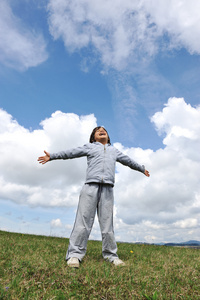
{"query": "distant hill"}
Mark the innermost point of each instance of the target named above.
(188, 243)
(192, 243)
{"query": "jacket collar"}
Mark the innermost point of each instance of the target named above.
(98, 143)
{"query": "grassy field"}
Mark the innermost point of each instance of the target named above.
(34, 267)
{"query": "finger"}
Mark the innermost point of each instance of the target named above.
(47, 153)
(147, 173)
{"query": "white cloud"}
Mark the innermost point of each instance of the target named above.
(179, 19)
(22, 179)
(171, 194)
(179, 122)
(121, 32)
(115, 29)
(56, 223)
(187, 223)
(163, 207)
(20, 47)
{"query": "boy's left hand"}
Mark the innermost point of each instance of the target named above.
(146, 173)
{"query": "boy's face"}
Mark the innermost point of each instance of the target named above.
(101, 136)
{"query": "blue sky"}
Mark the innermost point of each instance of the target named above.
(108, 63)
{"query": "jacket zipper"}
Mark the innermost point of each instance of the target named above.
(103, 161)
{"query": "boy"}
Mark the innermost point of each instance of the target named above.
(96, 194)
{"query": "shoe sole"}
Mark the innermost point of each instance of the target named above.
(73, 266)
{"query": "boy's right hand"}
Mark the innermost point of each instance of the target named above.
(44, 159)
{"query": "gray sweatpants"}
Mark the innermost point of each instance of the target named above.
(93, 197)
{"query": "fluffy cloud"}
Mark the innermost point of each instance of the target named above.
(22, 179)
(115, 29)
(56, 223)
(162, 207)
(170, 197)
(124, 31)
(20, 48)
(178, 19)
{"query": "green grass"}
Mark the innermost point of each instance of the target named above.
(34, 267)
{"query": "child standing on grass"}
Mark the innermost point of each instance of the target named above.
(96, 194)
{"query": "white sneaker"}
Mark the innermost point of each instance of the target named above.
(118, 262)
(73, 262)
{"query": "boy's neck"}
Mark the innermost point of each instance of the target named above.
(103, 142)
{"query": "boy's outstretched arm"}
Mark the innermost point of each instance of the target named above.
(146, 173)
(44, 159)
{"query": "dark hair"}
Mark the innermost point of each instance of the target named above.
(92, 139)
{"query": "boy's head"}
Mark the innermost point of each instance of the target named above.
(100, 134)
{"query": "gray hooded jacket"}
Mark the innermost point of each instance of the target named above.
(101, 161)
